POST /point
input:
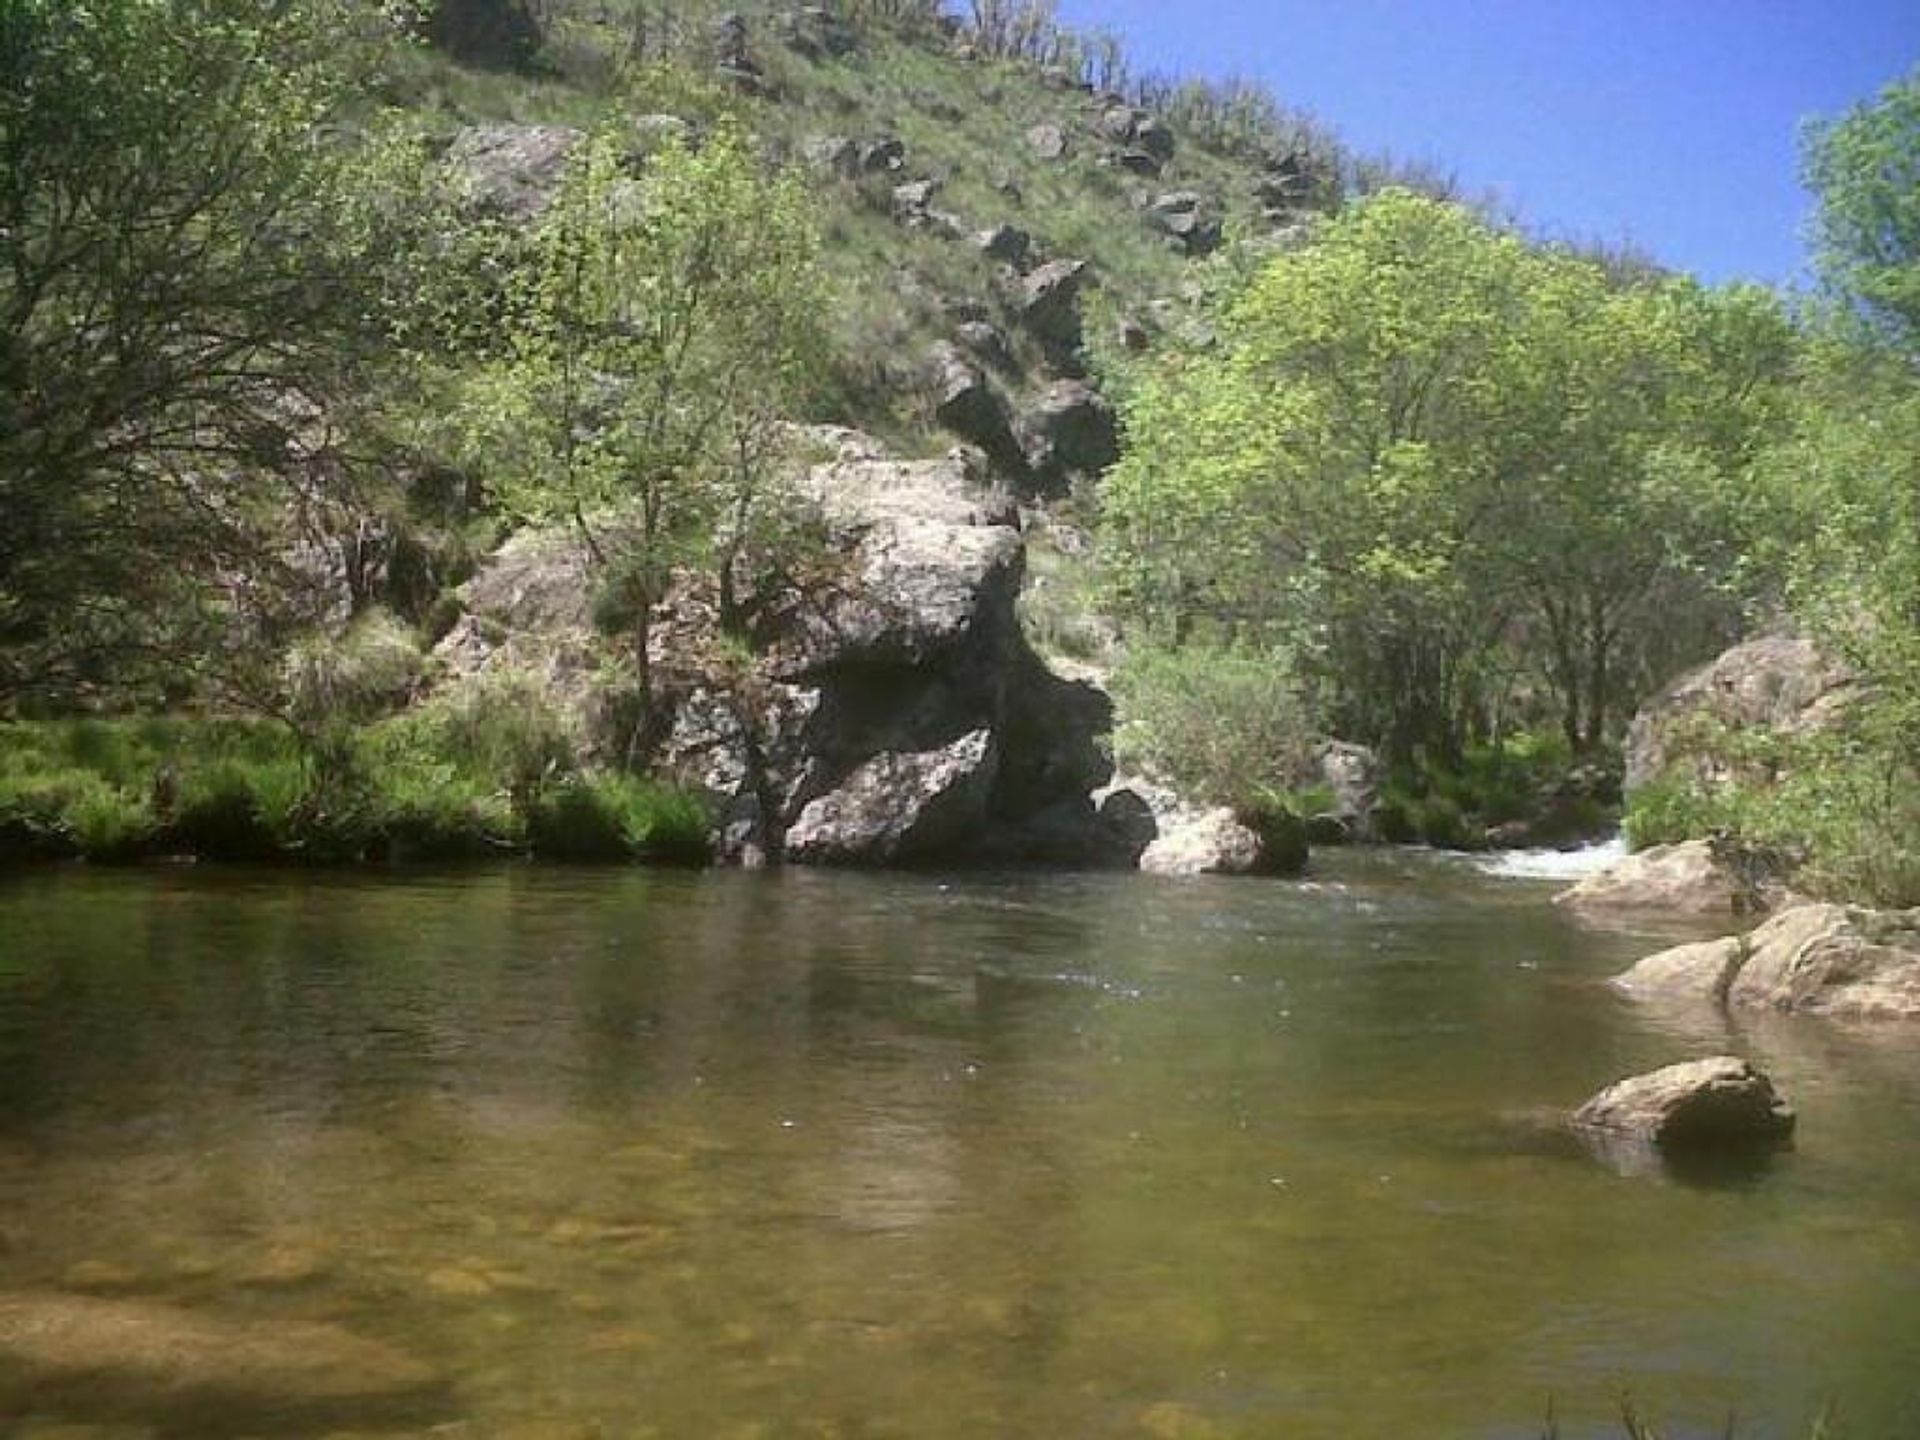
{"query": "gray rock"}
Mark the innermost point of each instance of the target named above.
(1687, 879)
(1352, 773)
(1047, 141)
(835, 155)
(1779, 683)
(985, 343)
(1008, 244)
(188, 1368)
(882, 155)
(911, 201)
(1073, 428)
(1156, 138)
(1048, 303)
(1213, 842)
(1141, 163)
(1836, 961)
(899, 808)
(1181, 216)
(972, 407)
(512, 172)
(817, 33)
(1713, 1104)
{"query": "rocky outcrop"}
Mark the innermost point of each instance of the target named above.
(511, 172)
(1837, 961)
(490, 34)
(1702, 1105)
(1780, 684)
(160, 1364)
(1048, 304)
(1008, 244)
(1047, 141)
(1688, 879)
(1351, 775)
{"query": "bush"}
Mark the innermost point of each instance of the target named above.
(1226, 727)
(110, 826)
(233, 810)
(438, 815)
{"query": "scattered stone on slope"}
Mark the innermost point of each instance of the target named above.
(882, 155)
(985, 343)
(1072, 429)
(130, 1359)
(1047, 141)
(1686, 879)
(1048, 304)
(816, 32)
(512, 172)
(1007, 244)
(1702, 1105)
(969, 404)
(1181, 216)
(837, 156)
(1779, 683)
(733, 55)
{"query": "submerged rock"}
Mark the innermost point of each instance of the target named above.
(1838, 961)
(1711, 1104)
(197, 1371)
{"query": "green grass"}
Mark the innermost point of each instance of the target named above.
(453, 783)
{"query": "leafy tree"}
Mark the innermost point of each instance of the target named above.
(183, 277)
(1865, 168)
(668, 325)
(1437, 462)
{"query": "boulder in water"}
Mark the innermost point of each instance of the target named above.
(1711, 1104)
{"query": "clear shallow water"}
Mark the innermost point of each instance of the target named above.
(812, 1155)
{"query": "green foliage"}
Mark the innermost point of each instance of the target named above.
(618, 818)
(1865, 169)
(187, 279)
(1454, 473)
(1224, 726)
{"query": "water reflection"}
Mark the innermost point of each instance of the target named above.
(811, 1154)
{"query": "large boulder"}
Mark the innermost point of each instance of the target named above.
(898, 809)
(512, 172)
(1702, 1105)
(1780, 684)
(192, 1370)
(489, 34)
(1689, 879)
(1220, 842)
(1838, 961)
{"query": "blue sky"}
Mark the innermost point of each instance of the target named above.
(1670, 124)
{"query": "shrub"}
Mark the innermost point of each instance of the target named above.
(233, 810)
(1224, 726)
(110, 826)
(438, 815)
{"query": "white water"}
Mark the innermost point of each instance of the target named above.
(1553, 864)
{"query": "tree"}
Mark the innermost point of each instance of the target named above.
(1865, 169)
(667, 327)
(180, 284)
(1433, 461)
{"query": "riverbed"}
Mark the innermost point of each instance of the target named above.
(633, 1154)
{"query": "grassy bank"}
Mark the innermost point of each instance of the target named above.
(436, 786)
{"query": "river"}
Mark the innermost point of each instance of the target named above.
(636, 1154)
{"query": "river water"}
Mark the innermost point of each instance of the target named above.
(632, 1154)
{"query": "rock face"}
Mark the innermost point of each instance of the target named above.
(512, 171)
(969, 404)
(1685, 879)
(158, 1363)
(1832, 960)
(893, 712)
(1714, 1104)
(1779, 683)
